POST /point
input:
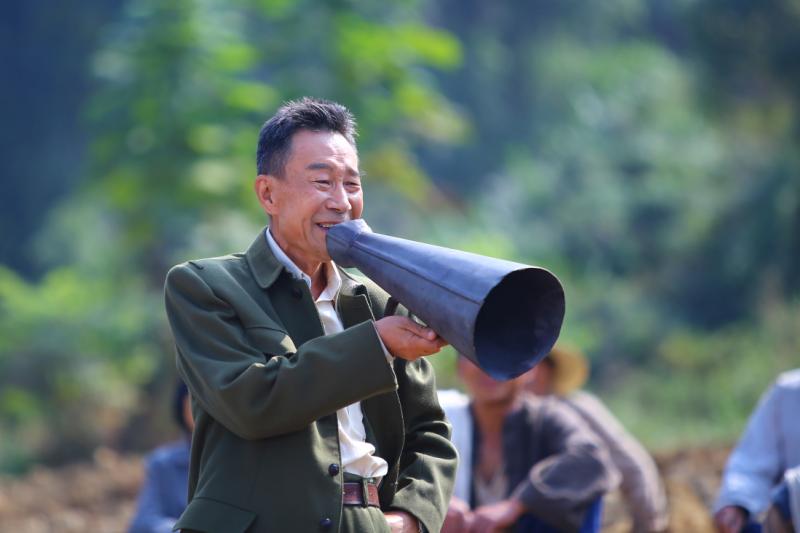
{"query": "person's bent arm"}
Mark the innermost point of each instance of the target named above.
(753, 467)
(562, 487)
(640, 481)
(246, 378)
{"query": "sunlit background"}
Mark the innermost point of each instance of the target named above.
(645, 151)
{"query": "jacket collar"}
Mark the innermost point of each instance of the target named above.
(352, 300)
(263, 264)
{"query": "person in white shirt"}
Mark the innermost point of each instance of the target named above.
(768, 448)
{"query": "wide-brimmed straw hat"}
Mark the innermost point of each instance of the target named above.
(570, 369)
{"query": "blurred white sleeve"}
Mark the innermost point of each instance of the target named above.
(755, 465)
(456, 408)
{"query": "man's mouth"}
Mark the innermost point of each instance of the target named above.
(326, 225)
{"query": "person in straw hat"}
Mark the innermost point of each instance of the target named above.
(562, 374)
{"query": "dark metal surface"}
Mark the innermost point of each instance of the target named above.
(504, 316)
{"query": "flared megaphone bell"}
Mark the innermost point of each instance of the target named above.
(503, 316)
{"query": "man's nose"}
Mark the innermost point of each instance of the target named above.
(339, 200)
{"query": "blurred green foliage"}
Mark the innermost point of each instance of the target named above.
(644, 151)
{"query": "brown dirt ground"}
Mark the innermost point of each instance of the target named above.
(100, 495)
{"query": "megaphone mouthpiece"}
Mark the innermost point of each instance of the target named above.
(340, 240)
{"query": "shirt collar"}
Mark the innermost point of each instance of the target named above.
(333, 282)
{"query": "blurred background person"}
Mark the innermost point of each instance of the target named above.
(768, 448)
(162, 498)
(526, 463)
(562, 374)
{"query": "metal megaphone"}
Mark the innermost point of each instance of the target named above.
(503, 316)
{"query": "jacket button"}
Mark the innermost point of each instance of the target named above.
(333, 469)
(325, 524)
(297, 293)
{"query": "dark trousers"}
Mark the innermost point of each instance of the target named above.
(357, 519)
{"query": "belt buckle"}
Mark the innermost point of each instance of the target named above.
(364, 492)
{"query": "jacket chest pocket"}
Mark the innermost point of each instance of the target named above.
(270, 341)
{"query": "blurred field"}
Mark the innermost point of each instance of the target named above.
(100, 495)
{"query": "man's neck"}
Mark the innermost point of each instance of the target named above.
(319, 279)
(489, 419)
(316, 271)
(318, 274)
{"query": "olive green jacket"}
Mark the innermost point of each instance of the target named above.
(266, 383)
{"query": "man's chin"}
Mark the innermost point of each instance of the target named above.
(322, 254)
(497, 401)
(323, 257)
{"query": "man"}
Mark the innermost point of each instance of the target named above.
(526, 462)
(769, 447)
(313, 411)
(561, 374)
(162, 497)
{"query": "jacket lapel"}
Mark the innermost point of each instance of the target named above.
(383, 415)
(383, 421)
(289, 297)
(352, 303)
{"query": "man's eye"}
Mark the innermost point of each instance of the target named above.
(322, 182)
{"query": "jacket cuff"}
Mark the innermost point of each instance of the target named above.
(389, 356)
(428, 516)
(373, 358)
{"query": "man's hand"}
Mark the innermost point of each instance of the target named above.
(496, 517)
(406, 339)
(459, 517)
(730, 519)
(401, 522)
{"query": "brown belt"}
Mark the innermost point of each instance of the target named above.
(354, 494)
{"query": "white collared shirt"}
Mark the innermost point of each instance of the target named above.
(358, 456)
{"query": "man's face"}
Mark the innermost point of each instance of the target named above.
(321, 187)
(483, 389)
(539, 380)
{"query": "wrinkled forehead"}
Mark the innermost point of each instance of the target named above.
(317, 147)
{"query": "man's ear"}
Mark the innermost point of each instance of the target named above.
(265, 187)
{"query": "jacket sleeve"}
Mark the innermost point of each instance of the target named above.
(428, 462)
(575, 473)
(275, 388)
(755, 464)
